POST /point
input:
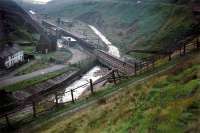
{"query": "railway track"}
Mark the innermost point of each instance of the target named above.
(103, 57)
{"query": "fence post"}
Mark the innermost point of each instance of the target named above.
(91, 86)
(34, 109)
(140, 67)
(184, 49)
(72, 96)
(135, 68)
(170, 57)
(113, 76)
(7, 121)
(153, 63)
(118, 75)
(147, 65)
(56, 97)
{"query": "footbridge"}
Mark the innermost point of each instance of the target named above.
(103, 57)
(109, 60)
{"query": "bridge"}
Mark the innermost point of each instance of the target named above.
(109, 60)
(103, 57)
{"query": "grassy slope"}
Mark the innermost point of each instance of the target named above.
(150, 24)
(165, 103)
(21, 32)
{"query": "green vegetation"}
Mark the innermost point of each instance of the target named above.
(26, 83)
(28, 49)
(151, 24)
(23, 33)
(168, 102)
(59, 57)
(32, 67)
(43, 61)
(19, 30)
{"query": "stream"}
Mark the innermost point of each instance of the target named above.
(37, 1)
(95, 73)
(92, 73)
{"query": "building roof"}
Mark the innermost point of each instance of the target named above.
(67, 21)
(8, 50)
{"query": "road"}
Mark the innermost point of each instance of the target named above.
(16, 79)
(77, 56)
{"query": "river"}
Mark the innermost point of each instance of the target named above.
(37, 1)
(113, 50)
(91, 74)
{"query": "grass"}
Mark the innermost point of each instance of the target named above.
(46, 118)
(56, 57)
(150, 25)
(28, 49)
(44, 61)
(38, 64)
(162, 104)
(26, 83)
(31, 67)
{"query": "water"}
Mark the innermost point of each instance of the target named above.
(32, 12)
(84, 80)
(60, 43)
(91, 73)
(111, 48)
(37, 1)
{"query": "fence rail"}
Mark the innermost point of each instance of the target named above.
(113, 76)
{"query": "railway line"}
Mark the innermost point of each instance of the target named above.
(103, 57)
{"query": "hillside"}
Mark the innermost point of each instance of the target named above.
(165, 103)
(146, 24)
(15, 28)
(160, 98)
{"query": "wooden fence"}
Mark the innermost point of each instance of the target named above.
(113, 76)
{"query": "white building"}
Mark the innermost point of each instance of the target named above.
(11, 55)
(68, 41)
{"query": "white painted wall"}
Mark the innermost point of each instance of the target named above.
(13, 59)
